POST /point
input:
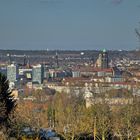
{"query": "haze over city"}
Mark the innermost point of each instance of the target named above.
(69, 24)
(69, 70)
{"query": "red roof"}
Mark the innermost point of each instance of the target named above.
(92, 69)
(80, 79)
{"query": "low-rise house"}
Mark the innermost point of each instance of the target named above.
(111, 79)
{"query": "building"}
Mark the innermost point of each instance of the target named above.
(102, 61)
(75, 74)
(3, 70)
(114, 79)
(38, 74)
(12, 73)
(25, 74)
(56, 59)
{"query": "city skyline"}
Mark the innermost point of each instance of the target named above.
(69, 24)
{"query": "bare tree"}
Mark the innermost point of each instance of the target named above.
(72, 117)
(137, 32)
(102, 119)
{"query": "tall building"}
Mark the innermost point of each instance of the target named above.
(104, 64)
(38, 74)
(12, 72)
(102, 61)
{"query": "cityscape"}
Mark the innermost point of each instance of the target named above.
(36, 81)
(69, 70)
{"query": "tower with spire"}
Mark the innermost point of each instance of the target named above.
(102, 61)
(56, 59)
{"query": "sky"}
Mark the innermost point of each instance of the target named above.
(69, 24)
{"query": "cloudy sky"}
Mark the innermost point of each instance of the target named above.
(69, 24)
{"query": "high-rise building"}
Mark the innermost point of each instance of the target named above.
(38, 74)
(12, 72)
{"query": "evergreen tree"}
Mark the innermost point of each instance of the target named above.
(7, 102)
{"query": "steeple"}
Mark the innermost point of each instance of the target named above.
(104, 50)
(56, 59)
